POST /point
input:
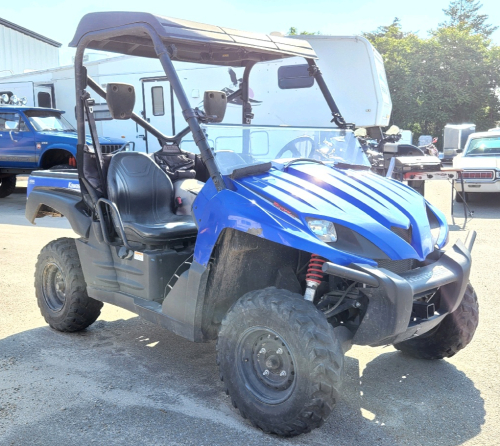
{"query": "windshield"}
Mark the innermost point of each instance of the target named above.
(238, 146)
(484, 146)
(44, 121)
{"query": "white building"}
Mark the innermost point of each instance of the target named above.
(22, 50)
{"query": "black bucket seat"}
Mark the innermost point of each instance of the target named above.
(143, 194)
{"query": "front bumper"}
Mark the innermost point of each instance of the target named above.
(479, 186)
(390, 314)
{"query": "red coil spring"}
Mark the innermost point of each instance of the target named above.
(314, 272)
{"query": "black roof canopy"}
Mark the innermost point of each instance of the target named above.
(129, 33)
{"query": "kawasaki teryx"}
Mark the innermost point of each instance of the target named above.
(277, 241)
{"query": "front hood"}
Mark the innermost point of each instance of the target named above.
(477, 162)
(373, 206)
(71, 138)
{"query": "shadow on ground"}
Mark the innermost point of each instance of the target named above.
(482, 205)
(128, 382)
(420, 402)
(12, 212)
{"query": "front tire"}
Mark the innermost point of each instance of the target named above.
(452, 335)
(7, 186)
(280, 361)
(61, 290)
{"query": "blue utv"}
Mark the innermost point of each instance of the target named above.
(277, 241)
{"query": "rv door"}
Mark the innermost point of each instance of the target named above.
(158, 108)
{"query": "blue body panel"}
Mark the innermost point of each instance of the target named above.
(62, 181)
(360, 200)
(276, 204)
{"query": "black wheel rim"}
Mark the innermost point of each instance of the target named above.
(266, 365)
(53, 287)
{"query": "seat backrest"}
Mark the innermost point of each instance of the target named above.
(142, 192)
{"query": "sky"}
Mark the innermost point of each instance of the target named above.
(58, 19)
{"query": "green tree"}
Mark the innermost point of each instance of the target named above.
(402, 58)
(464, 14)
(461, 87)
(295, 32)
(393, 30)
(451, 77)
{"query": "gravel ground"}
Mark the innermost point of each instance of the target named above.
(125, 381)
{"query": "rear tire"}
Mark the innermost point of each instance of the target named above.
(61, 290)
(280, 361)
(7, 186)
(452, 335)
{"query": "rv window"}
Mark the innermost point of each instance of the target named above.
(294, 76)
(44, 99)
(158, 102)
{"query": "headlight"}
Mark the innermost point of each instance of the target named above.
(498, 173)
(323, 229)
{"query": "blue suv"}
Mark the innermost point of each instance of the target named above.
(34, 138)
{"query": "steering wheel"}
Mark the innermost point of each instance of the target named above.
(293, 148)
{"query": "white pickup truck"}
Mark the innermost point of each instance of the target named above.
(480, 162)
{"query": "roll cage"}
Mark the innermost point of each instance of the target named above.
(168, 39)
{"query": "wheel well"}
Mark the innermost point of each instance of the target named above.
(240, 263)
(53, 157)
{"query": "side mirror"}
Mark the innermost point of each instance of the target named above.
(121, 100)
(460, 150)
(214, 104)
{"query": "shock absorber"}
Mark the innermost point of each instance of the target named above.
(314, 276)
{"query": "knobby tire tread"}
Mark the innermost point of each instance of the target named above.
(453, 334)
(80, 309)
(325, 357)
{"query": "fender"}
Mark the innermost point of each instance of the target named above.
(59, 146)
(62, 201)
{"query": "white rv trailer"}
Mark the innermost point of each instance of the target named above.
(352, 68)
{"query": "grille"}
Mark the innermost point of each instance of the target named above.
(405, 234)
(397, 266)
(108, 148)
